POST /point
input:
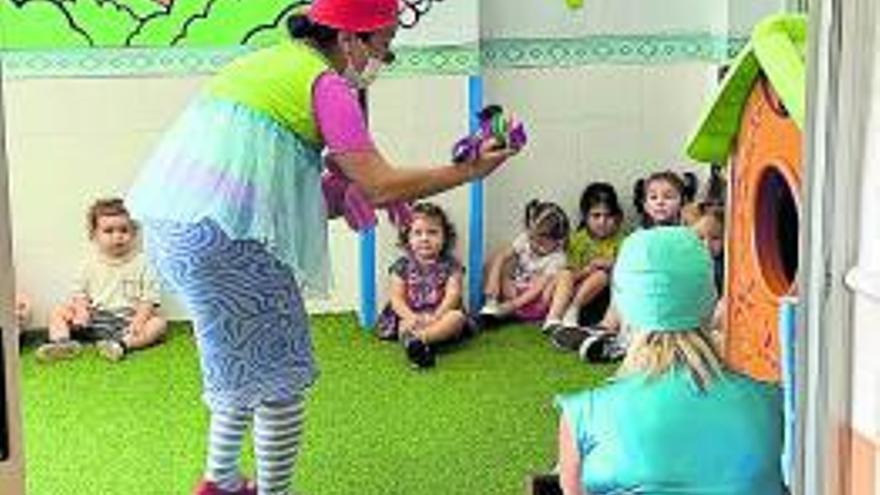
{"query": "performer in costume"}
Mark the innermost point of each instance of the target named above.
(234, 219)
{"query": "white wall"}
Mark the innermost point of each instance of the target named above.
(71, 140)
(608, 123)
(552, 19)
(744, 14)
(415, 123)
(865, 279)
(866, 338)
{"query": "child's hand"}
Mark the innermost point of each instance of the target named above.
(428, 318)
(409, 324)
(135, 328)
(81, 316)
(489, 158)
(506, 308)
(82, 310)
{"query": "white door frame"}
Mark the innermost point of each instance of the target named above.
(841, 40)
(12, 468)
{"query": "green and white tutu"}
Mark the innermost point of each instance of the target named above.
(255, 178)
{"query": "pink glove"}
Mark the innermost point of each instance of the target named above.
(333, 188)
(399, 214)
(345, 199)
(359, 212)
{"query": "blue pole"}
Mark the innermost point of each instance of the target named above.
(367, 241)
(368, 278)
(787, 339)
(475, 206)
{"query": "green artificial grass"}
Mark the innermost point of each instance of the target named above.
(478, 423)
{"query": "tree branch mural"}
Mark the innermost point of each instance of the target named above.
(54, 24)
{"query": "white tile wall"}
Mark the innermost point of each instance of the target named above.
(604, 123)
(70, 141)
(415, 123)
(551, 18)
(73, 139)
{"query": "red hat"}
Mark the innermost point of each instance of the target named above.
(358, 16)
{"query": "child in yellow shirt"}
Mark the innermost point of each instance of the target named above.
(590, 254)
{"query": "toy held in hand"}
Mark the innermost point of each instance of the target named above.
(345, 199)
(507, 132)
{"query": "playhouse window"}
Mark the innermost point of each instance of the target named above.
(776, 231)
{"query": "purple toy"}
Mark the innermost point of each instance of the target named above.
(493, 124)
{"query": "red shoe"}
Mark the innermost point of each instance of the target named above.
(206, 487)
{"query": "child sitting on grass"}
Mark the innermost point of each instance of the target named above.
(425, 295)
(519, 278)
(114, 297)
(659, 200)
(590, 253)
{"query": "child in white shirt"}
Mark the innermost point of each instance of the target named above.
(115, 295)
(519, 278)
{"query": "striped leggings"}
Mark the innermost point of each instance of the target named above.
(277, 429)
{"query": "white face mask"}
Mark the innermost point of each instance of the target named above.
(362, 79)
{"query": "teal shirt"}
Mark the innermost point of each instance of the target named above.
(665, 437)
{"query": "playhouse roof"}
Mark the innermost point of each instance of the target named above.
(777, 47)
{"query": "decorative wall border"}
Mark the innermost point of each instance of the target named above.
(609, 49)
(466, 59)
(116, 62)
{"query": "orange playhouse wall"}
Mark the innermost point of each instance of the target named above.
(767, 141)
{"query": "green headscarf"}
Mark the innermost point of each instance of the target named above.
(663, 280)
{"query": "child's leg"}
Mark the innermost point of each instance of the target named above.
(561, 296)
(225, 437)
(59, 323)
(508, 289)
(495, 271)
(589, 288)
(500, 288)
(569, 335)
(118, 335)
(277, 431)
(547, 292)
(445, 328)
(611, 320)
(151, 331)
(59, 346)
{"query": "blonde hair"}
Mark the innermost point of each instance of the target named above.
(656, 353)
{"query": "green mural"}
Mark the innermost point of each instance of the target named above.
(64, 38)
(59, 24)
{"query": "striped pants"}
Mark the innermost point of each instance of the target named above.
(277, 429)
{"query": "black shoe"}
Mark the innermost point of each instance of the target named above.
(471, 327)
(602, 348)
(568, 338)
(418, 352)
(544, 484)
